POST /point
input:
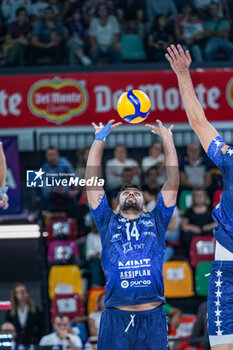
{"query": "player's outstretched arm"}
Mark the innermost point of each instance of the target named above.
(170, 188)
(3, 195)
(96, 193)
(180, 63)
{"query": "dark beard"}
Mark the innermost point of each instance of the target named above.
(133, 206)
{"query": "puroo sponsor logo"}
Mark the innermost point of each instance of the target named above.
(141, 283)
(124, 284)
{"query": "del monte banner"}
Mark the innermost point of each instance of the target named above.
(66, 99)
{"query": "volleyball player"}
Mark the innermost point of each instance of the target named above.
(133, 242)
(220, 294)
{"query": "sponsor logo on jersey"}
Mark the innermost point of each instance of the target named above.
(134, 273)
(124, 284)
(127, 247)
(122, 220)
(139, 246)
(149, 233)
(140, 283)
(116, 237)
(147, 223)
(134, 264)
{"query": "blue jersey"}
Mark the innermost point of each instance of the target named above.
(222, 155)
(133, 253)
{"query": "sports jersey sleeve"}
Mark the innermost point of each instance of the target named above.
(162, 216)
(102, 214)
(220, 153)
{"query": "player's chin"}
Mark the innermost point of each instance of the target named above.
(128, 205)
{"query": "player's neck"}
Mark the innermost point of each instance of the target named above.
(130, 214)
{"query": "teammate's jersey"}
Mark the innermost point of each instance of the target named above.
(222, 155)
(133, 253)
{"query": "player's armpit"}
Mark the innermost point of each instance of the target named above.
(205, 132)
(95, 196)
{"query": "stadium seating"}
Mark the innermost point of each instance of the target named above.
(202, 277)
(185, 200)
(178, 279)
(70, 305)
(65, 280)
(201, 249)
(61, 228)
(132, 47)
(62, 251)
(92, 296)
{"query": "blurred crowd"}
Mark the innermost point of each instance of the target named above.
(85, 32)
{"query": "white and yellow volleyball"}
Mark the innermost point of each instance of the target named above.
(134, 106)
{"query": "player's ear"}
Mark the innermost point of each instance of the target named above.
(117, 209)
(144, 208)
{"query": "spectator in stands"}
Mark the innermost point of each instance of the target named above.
(194, 171)
(48, 37)
(155, 156)
(200, 327)
(159, 39)
(115, 166)
(93, 256)
(82, 156)
(24, 315)
(203, 6)
(18, 39)
(172, 234)
(9, 328)
(217, 31)
(131, 13)
(9, 8)
(174, 314)
(76, 41)
(198, 219)
(90, 9)
(38, 8)
(151, 187)
(94, 317)
(189, 31)
(63, 335)
(158, 7)
(104, 36)
(56, 198)
(127, 179)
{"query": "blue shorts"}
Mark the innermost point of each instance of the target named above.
(133, 330)
(220, 303)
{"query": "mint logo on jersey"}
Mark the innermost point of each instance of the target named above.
(134, 264)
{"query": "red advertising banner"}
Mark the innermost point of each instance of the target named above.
(68, 99)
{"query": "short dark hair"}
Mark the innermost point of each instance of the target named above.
(125, 187)
(20, 9)
(52, 148)
(61, 316)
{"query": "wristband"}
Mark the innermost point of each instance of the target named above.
(103, 133)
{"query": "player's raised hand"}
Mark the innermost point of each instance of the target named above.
(101, 126)
(161, 130)
(179, 60)
(101, 131)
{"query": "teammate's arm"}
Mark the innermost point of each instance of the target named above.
(3, 196)
(96, 193)
(171, 186)
(2, 167)
(180, 63)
